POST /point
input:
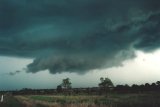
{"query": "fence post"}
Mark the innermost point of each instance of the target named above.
(2, 98)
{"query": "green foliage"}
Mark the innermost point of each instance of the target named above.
(66, 83)
(42, 98)
(114, 100)
(105, 83)
(59, 88)
(158, 83)
(10, 101)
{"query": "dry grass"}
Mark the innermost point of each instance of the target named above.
(30, 101)
(114, 100)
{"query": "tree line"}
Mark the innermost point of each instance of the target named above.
(138, 88)
(105, 86)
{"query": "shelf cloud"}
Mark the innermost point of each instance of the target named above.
(78, 35)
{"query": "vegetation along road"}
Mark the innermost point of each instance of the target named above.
(111, 100)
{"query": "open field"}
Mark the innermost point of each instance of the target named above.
(112, 100)
(10, 101)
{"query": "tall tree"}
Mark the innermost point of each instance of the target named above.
(105, 84)
(66, 83)
(59, 88)
(158, 83)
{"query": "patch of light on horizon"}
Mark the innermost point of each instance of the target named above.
(144, 68)
(11, 64)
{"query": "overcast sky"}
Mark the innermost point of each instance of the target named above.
(44, 41)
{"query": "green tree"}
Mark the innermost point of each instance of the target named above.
(66, 83)
(59, 88)
(105, 84)
(158, 83)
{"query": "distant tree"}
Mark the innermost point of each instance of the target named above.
(135, 88)
(59, 88)
(158, 83)
(66, 84)
(153, 84)
(153, 87)
(122, 88)
(147, 86)
(105, 84)
(141, 87)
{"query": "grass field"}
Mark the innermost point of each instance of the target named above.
(10, 101)
(112, 100)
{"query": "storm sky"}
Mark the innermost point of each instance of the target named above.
(54, 39)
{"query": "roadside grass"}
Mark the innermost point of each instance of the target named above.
(69, 99)
(112, 100)
(10, 101)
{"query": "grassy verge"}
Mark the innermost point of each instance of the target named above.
(10, 101)
(112, 100)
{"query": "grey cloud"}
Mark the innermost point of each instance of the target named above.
(78, 36)
(11, 73)
(14, 73)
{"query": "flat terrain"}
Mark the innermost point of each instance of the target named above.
(112, 100)
(10, 101)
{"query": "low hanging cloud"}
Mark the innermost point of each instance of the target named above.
(14, 73)
(11, 73)
(78, 35)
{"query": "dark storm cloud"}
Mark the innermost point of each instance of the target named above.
(78, 35)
